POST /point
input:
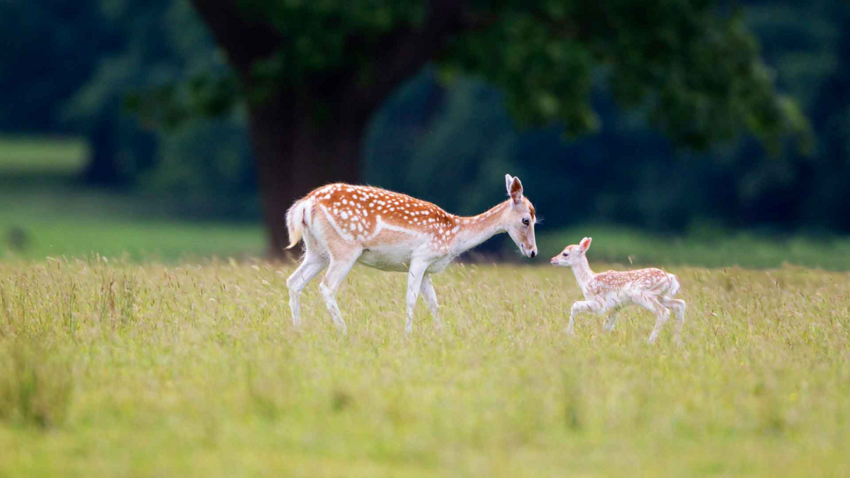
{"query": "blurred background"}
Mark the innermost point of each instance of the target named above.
(674, 132)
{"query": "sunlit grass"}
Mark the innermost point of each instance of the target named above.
(42, 155)
(39, 238)
(153, 370)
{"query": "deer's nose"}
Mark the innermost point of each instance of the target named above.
(532, 253)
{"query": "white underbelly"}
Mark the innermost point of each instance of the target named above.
(386, 258)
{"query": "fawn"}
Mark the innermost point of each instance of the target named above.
(652, 289)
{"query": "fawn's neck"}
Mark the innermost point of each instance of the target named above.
(583, 273)
(477, 229)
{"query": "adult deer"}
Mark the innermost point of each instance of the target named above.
(342, 224)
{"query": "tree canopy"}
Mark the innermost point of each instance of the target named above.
(691, 65)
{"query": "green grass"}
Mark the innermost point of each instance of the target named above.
(46, 213)
(153, 370)
(131, 239)
(33, 155)
(70, 222)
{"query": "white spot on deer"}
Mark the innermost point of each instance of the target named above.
(344, 215)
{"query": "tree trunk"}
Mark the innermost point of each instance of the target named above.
(294, 156)
(102, 167)
(294, 153)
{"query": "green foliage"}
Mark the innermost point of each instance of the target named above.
(693, 69)
(205, 158)
(691, 66)
(328, 35)
(209, 377)
(49, 50)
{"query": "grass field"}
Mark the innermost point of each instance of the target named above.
(152, 370)
(40, 155)
(46, 212)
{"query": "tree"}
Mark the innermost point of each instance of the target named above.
(36, 75)
(314, 72)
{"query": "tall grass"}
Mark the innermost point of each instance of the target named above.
(115, 368)
(35, 386)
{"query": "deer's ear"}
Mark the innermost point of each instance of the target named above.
(585, 243)
(515, 190)
(508, 180)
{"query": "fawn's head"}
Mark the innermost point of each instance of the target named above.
(572, 254)
(520, 218)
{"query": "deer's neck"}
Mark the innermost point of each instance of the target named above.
(583, 273)
(476, 229)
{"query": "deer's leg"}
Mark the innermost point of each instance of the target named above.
(415, 274)
(579, 307)
(312, 265)
(338, 269)
(678, 306)
(662, 314)
(430, 297)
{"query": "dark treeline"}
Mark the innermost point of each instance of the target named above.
(70, 67)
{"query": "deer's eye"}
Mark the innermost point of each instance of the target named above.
(566, 254)
(526, 221)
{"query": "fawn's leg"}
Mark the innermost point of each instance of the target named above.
(611, 320)
(579, 307)
(678, 307)
(662, 314)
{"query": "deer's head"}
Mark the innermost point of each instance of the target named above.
(520, 218)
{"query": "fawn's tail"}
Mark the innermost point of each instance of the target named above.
(674, 285)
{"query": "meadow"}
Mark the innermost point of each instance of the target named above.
(146, 369)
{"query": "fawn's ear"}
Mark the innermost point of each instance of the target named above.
(508, 180)
(585, 243)
(514, 188)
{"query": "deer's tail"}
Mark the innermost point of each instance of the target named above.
(297, 218)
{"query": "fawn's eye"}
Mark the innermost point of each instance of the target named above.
(566, 254)
(526, 221)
